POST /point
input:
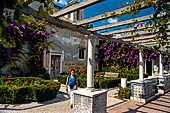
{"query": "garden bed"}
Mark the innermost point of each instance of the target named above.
(99, 82)
(20, 89)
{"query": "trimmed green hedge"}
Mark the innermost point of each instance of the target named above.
(101, 83)
(20, 89)
(124, 92)
(109, 82)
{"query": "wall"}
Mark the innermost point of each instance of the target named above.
(67, 41)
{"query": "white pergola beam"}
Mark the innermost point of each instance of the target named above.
(127, 29)
(75, 7)
(144, 41)
(130, 35)
(150, 44)
(140, 19)
(29, 11)
(139, 38)
(105, 15)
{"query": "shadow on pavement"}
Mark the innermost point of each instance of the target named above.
(60, 97)
(153, 105)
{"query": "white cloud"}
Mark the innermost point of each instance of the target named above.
(111, 20)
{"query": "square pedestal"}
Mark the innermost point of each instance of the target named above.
(142, 91)
(87, 101)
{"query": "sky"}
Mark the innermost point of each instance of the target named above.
(108, 6)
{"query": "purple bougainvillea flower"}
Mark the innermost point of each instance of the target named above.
(9, 51)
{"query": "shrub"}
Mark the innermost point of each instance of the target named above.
(109, 82)
(99, 82)
(21, 89)
(62, 79)
(124, 92)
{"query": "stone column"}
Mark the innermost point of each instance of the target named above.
(44, 57)
(90, 64)
(152, 68)
(89, 100)
(145, 66)
(160, 65)
(141, 66)
(49, 65)
(123, 82)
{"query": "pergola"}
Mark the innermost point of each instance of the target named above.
(140, 37)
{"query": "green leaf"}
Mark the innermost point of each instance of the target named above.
(51, 10)
(41, 11)
(0, 31)
(5, 23)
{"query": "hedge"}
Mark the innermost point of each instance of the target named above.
(101, 83)
(124, 93)
(109, 82)
(37, 90)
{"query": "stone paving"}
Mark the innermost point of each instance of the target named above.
(161, 104)
(58, 105)
(61, 105)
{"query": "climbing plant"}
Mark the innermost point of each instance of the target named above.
(159, 22)
(115, 53)
(25, 42)
(18, 30)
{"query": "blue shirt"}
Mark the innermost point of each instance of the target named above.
(72, 81)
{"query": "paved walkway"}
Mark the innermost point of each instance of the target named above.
(161, 104)
(58, 105)
(61, 105)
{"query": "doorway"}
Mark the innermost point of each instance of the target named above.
(55, 66)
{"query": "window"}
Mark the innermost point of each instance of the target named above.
(81, 52)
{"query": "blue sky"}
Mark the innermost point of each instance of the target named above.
(107, 6)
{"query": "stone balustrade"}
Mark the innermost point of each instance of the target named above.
(145, 90)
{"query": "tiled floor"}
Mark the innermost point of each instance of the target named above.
(161, 104)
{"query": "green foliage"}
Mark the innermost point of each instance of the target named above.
(159, 22)
(99, 82)
(82, 82)
(130, 74)
(88, 26)
(62, 79)
(20, 89)
(100, 73)
(124, 72)
(109, 82)
(124, 93)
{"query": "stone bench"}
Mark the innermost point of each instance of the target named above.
(110, 74)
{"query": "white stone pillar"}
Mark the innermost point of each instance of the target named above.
(145, 66)
(49, 65)
(44, 57)
(141, 66)
(160, 65)
(152, 68)
(90, 64)
(123, 82)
